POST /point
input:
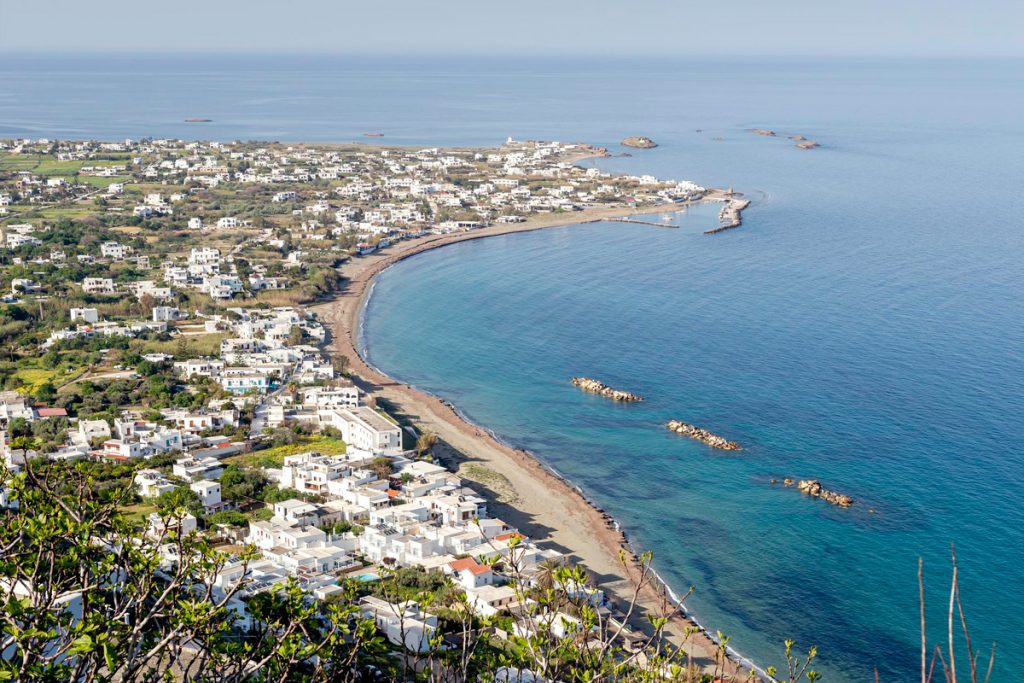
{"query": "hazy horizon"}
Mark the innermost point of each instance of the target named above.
(651, 28)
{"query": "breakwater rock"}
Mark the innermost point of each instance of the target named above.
(814, 489)
(702, 435)
(731, 216)
(640, 142)
(592, 386)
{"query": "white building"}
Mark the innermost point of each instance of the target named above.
(193, 469)
(209, 495)
(365, 429)
(165, 313)
(88, 315)
(244, 380)
(277, 533)
(184, 526)
(152, 483)
(403, 623)
(204, 256)
(98, 285)
(114, 250)
(470, 573)
(199, 367)
(331, 397)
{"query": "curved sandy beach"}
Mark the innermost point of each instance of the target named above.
(522, 491)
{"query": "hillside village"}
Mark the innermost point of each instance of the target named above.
(154, 331)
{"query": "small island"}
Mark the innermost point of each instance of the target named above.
(764, 131)
(702, 435)
(197, 120)
(639, 142)
(592, 386)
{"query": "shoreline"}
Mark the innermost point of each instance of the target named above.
(546, 505)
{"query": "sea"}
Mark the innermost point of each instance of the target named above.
(864, 327)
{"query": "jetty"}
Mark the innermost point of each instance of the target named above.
(643, 222)
(592, 386)
(731, 216)
(704, 436)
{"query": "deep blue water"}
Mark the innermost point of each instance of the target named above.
(865, 326)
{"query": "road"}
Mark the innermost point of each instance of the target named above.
(259, 415)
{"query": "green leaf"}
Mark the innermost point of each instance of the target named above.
(82, 645)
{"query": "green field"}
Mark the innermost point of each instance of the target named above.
(35, 377)
(100, 181)
(324, 445)
(138, 514)
(46, 165)
(198, 345)
(55, 213)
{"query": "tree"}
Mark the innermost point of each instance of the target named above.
(19, 426)
(69, 621)
(275, 495)
(229, 517)
(282, 436)
(147, 368)
(180, 500)
(340, 362)
(237, 484)
(52, 432)
(425, 442)
(50, 359)
(46, 392)
(382, 467)
(146, 303)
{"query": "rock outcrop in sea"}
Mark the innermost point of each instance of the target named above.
(702, 435)
(814, 489)
(592, 386)
(763, 131)
(640, 142)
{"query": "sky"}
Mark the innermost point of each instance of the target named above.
(838, 28)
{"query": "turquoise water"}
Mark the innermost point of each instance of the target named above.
(864, 327)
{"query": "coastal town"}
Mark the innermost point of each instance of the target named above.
(167, 325)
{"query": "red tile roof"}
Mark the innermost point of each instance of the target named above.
(470, 564)
(52, 412)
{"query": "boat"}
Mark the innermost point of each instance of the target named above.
(373, 135)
